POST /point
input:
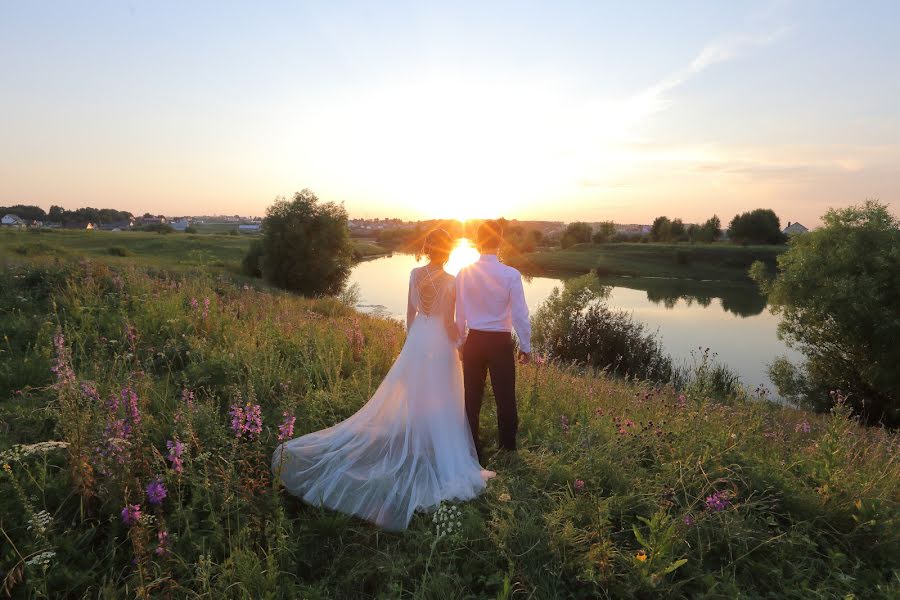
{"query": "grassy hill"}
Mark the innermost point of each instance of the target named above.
(621, 489)
(723, 262)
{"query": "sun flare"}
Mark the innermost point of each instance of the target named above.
(463, 254)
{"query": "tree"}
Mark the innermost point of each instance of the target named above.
(837, 292)
(26, 213)
(711, 230)
(576, 233)
(305, 245)
(56, 214)
(760, 226)
(605, 232)
(677, 229)
(661, 230)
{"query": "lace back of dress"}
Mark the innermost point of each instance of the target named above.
(430, 289)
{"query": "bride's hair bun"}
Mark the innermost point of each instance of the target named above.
(438, 245)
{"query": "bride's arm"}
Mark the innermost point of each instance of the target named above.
(450, 316)
(410, 304)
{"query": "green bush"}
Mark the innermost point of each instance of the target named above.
(576, 324)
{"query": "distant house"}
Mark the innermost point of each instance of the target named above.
(181, 224)
(12, 221)
(116, 226)
(249, 227)
(153, 220)
(794, 229)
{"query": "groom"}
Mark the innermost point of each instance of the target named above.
(490, 301)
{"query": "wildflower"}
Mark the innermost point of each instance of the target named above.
(187, 396)
(41, 559)
(176, 448)
(564, 421)
(162, 543)
(803, 427)
(131, 514)
(718, 501)
(205, 307)
(689, 520)
(40, 522)
(156, 492)
(62, 361)
(286, 429)
(579, 485)
(194, 304)
(246, 419)
(682, 401)
(540, 359)
(504, 497)
(641, 556)
(89, 390)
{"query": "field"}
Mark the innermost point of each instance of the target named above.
(172, 250)
(132, 466)
(723, 262)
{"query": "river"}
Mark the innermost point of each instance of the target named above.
(732, 320)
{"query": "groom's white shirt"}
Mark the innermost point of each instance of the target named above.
(490, 297)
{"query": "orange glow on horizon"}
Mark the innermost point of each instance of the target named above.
(463, 255)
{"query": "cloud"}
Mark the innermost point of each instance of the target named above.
(655, 98)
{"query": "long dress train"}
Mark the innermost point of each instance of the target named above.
(409, 447)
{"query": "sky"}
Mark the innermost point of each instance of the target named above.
(551, 110)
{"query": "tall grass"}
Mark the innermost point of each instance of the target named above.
(116, 380)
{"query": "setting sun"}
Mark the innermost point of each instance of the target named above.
(464, 254)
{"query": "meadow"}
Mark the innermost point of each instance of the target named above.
(140, 401)
(172, 251)
(719, 261)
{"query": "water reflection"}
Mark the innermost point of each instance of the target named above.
(729, 318)
(739, 299)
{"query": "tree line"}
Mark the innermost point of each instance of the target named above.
(57, 214)
(760, 226)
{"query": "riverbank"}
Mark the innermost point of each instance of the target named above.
(620, 489)
(722, 262)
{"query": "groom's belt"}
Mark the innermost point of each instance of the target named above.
(482, 332)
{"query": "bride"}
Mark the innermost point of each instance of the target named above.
(409, 447)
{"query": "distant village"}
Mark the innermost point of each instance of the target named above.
(111, 220)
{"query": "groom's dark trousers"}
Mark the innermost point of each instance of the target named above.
(491, 351)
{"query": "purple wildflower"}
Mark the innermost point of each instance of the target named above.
(162, 543)
(803, 427)
(176, 448)
(131, 514)
(194, 304)
(286, 429)
(89, 391)
(246, 420)
(689, 520)
(718, 501)
(205, 307)
(62, 362)
(156, 492)
(564, 421)
(579, 485)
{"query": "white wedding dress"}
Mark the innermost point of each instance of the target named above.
(409, 447)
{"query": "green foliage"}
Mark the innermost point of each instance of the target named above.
(661, 230)
(25, 212)
(576, 233)
(607, 468)
(837, 293)
(576, 324)
(305, 246)
(760, 226)
(191, 229)
(605, 232)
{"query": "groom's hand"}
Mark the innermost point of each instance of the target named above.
(524, 357)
